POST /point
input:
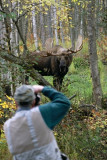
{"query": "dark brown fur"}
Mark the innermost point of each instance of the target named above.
(56, 66)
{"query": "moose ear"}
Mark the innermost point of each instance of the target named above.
(49, 44)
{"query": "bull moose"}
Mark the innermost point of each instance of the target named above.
(55, 62)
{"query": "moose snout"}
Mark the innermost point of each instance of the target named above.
(63, 68)
(62, 63)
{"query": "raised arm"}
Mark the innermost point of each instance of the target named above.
(54, 111)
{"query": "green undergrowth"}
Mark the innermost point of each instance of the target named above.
(81, 138)
(4, 152)
(79, 81)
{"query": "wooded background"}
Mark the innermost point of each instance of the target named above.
(26, 25)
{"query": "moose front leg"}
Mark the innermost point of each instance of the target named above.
(57, 82)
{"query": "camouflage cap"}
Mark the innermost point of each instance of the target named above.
(24, 93)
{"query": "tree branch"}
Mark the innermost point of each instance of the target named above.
(72, 97)
(26, 66)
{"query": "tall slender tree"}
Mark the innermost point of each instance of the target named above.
(42, 26)
(49, 23)
(97, 90)
(34, 26)
(55, 23)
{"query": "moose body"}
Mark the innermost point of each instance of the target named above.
(56, 66)
(54, 61)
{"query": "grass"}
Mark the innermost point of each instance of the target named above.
(78, 81)
(4, 152)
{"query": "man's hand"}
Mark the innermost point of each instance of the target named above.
(37, 88)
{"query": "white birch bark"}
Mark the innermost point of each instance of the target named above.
(72, 22)
(81, 22)
(61, 27)
(42, 27)
(5, 76)
(2, 43)
(34, 27)
(61, 32)
(55, 23)
(14, 49)
(49, 24)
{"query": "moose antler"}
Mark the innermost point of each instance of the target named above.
(79, 45)
(49, 44)
(59, 50)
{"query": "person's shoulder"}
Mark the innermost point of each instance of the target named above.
(10, 119)
(35, 109)
(7, 122)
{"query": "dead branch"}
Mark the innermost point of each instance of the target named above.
(87, 105)
(72, 97)
(26, 66)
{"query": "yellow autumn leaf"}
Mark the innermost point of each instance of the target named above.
(46, 9)
(7, 5)
(21, 12)
(70, 17)
(9, 98)
(71, 26)
(48, 3)
(102, 126)
(104, 122)
(55, 133)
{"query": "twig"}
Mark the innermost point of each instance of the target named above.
(87, 105)
(72, 97)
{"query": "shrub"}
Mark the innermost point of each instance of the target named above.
(80, 62)
(83, 139)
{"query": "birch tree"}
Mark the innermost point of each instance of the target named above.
(2, 46)
(14, 48)
(61, 26)
(5, 67)
(42, 27)
(49, 24)
(71, 16)
(34, 26)
(54, 15)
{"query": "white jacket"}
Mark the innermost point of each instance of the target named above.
(28, 140)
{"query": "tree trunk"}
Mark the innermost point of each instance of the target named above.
(14, 43)
(42, 27)
(61, 33)
(5, 71)
(55, 24)
(97, 91)
(34, 27)
(4, 79)
(104, 16)
(84, 21)
(71, 15)
(49, 24)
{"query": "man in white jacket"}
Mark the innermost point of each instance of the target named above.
(29, 132)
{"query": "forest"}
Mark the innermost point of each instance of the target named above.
(62, 29)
